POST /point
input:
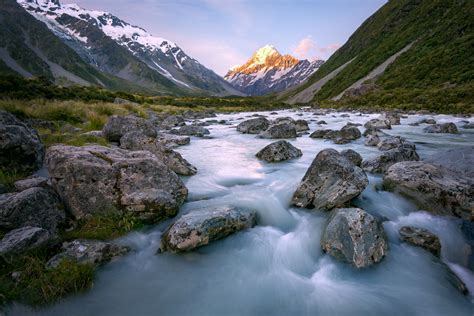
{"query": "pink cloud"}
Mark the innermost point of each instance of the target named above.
(307, 48)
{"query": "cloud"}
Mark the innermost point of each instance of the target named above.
(307, 48)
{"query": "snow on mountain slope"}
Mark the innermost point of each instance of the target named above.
(268, 71)
(80, 29)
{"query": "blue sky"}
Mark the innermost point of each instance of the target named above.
(224, 33)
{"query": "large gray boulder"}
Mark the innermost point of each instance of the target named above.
(345, 135)
(39, 207)
(460, 160)
(392, 117)
(172, 141)
(301, 125)
(331, 181)
(378, 123)
(172, 121)
(389, 157)
(97, 179)
(320, 133)
(117, 126)
(450, 128)
(25, 239)
(353, 235)
(432, 187)
(199, 227)
(282, 130)
(422, 238)
(279, 151)
(191, 130)
(372, 140)
(137, 141)
(253, 126)
(353, 156)
(20, 145)
(85, 251)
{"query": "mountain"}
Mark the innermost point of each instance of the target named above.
(115, 47)
(409, 54)
(269, 71)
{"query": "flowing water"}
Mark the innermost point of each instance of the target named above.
(278, 268)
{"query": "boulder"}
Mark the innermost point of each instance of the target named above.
(25, 239)
(432, 187)
(117, 126)
(172, 121)
(281, 120)
(391, 142)
(85, 251)
(331, 181)
(38, 207)
(191, 130)
(301, 125)
(372, 140)
(460, 160)
(253, 126)
(347, 134)
(31, 182)
(20, 145)
(389, 157)
(392, 117)
(353, 156)
(353, 235)
(321, 122)
(374, 132)
(172, 159)
(97, 179)
(424, 121)
(469, 125)
(93, 134)
(441, 128)
(279, 151)
(172, 141)
(422, 238)
(320, 133)
(282, 130)
(199, 227)
(378, 123)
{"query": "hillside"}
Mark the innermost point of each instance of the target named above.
(435, 69)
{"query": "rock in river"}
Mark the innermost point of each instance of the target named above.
(353, 235)
(201, 226)
(20, 145)
(281, 130)
(353, 156)
(378, 123)
(191, 130)
(279, 151)
(253, 126)
(422, 238)
(441, 128)
(331, 181)
(433, 188)
(97, 179)
(405, 152)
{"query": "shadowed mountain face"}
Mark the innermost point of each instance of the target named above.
(269, 71)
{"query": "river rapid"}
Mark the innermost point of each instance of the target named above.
(277, 267)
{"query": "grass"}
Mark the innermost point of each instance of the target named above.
(37, 285)
(9, 176)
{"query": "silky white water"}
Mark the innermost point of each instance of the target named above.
(278, 268)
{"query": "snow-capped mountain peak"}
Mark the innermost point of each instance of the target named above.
(269, 71)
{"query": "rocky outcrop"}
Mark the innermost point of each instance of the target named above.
(117, 126)
(331, 181)
(353, 235)
(282, 130)
(441, 128)
(279, 151)
(200, 227)
(96, 179)
(378, 123)
(433, 188)
(253, 126)
(422, 238)
(353, 156)
(93, 252)
(38, 207)
(405, 152)
(20, 145)
(191, 130)
(172, 159)
(25, 239)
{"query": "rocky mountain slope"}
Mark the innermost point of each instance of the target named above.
(269, 71)
(409, 53)
(115, 47)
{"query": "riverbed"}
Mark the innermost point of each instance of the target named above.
(277, 267)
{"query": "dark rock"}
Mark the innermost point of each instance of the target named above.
(352, 235)
(171, 141)
(283, 130)
(424, 121)
(190, 130)
(199, 227)
(321, 122)
(279, 151)
(31, 182)
(433, 188)
(468, 125)
(422, 238)
(372, 140)
(37, 207)
(380, 123)
(392, 117)
(374, 132)
(331, 181)
(353, 156)
(84, 251)
(390, 157)
(320, 133)
(117, 126)
(25, 239)
(441, 128)
(301, 125)
(460, 160)
(253, 126)
(391, 142)
(20, 145)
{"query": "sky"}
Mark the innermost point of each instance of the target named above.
(221, 34)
